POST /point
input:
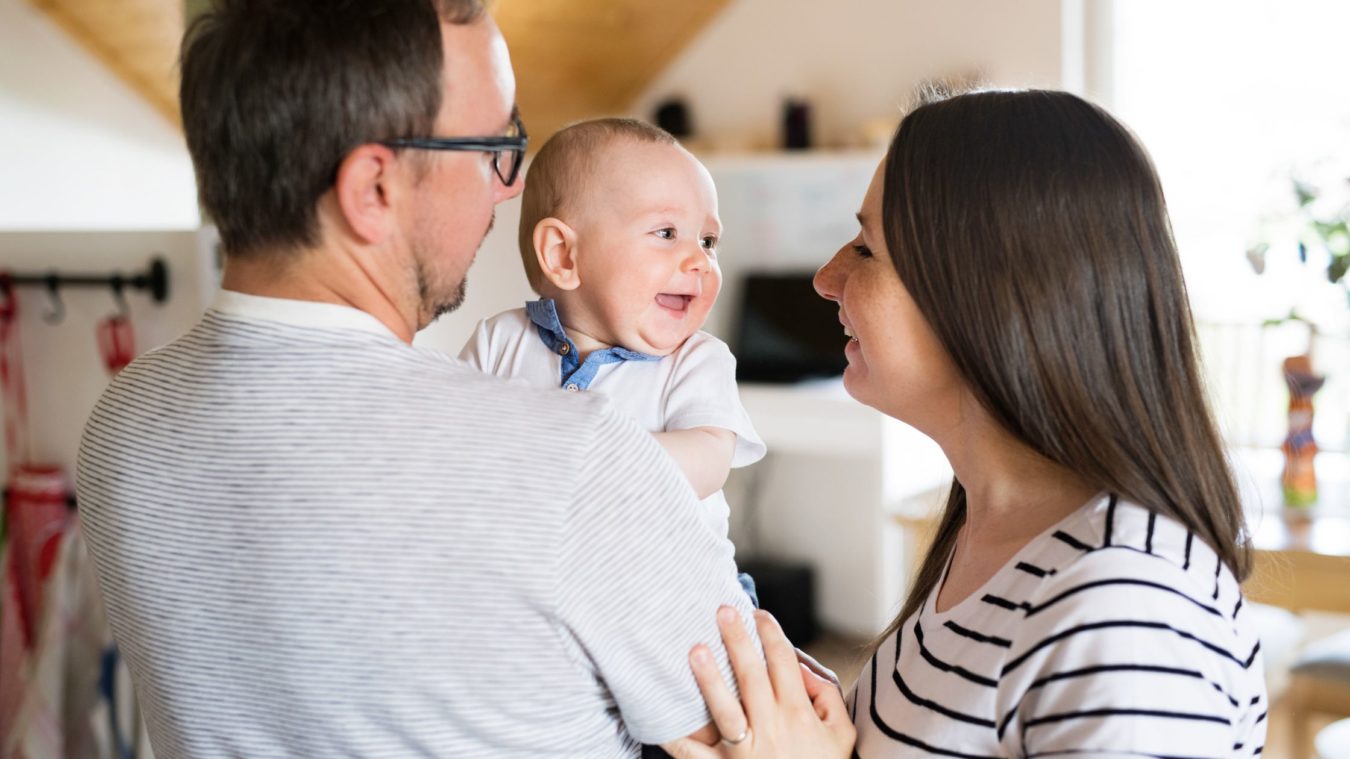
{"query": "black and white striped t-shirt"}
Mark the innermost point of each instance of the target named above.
(315, 540)
(1115, 633)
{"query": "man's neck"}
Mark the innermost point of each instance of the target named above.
(322, 277)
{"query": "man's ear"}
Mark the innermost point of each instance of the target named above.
(363, 190)
(555, 248)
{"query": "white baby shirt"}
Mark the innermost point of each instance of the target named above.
(693, 387)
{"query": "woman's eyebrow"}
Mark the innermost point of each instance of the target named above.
(863, 220)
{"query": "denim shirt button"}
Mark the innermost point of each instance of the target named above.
(572, 387)
(564, 349)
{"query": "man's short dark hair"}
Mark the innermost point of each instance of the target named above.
(275, 93)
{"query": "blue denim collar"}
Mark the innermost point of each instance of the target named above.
(575, 374)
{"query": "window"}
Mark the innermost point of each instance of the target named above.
(1234, 100)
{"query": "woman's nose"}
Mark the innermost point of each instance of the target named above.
(828, 279)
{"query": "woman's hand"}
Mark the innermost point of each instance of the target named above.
(789, 711)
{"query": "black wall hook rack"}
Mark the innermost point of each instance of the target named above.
(154, 279)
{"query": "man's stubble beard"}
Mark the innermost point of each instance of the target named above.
(437, 304)
(435, 309)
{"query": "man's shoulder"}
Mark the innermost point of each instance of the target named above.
(208, 361)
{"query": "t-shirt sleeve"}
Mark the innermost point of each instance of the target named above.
(1119, 655)
(703, 393)
(640, 578)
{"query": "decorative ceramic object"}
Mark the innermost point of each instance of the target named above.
(1300, 449)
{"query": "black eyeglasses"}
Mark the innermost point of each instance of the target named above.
(512, 145)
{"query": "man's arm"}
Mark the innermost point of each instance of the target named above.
(641, 577)
(704, 455)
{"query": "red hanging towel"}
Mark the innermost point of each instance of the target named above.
(12, 393)
(35, 517)
(36, 514)
(13, 654)
(37, 520)
(116, 342)
(50, 658)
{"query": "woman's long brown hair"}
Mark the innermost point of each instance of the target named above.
(1030, 228)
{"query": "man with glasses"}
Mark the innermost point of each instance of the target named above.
(315, 539)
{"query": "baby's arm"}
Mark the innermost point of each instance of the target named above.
(704, 455)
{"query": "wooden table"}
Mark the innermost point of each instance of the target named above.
(1302, 558)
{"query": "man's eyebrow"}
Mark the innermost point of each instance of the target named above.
(515, 114)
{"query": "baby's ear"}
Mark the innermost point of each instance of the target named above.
(555, 247)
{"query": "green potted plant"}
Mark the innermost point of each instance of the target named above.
(1319, 229)
(1319, 224)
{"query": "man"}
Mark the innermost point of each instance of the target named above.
(315, 539)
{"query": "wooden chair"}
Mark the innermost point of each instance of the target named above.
(1319, 685)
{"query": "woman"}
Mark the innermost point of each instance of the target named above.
(1015, 294)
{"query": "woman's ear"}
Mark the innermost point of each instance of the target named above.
(362, 191)
(555, 248)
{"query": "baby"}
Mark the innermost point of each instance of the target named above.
(618, 233)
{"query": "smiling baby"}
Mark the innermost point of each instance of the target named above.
(618, 234)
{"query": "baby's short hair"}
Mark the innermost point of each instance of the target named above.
(561, 170)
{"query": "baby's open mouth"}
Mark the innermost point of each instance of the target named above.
(673, 301)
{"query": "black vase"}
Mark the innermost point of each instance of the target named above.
(796, 124)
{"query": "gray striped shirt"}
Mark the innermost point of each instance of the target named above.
(316, 540)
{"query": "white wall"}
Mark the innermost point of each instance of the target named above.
(82, 150)
(855, 60)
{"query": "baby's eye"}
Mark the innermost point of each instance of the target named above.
(710, 243)
(666, 234)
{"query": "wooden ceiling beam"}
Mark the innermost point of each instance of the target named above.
(136, 39)
(574, 59)
(577, 59)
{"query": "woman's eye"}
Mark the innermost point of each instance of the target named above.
(862, 250)
(666, 234)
